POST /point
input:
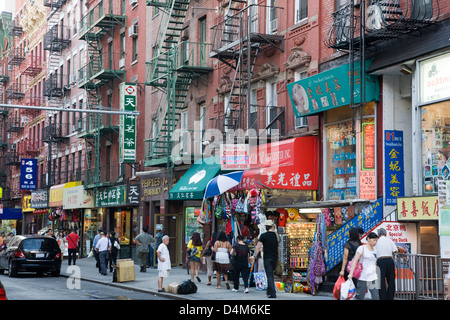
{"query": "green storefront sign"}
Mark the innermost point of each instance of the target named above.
(331, 89)
(111, 197)
(127, 131)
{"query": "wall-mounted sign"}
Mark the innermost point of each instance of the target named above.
(417, 208)
(393, 166)
(434, 83)
(331, 89)
(113, 196)
(127, 131)
(28, 174)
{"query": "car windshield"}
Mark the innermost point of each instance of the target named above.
(40, 244)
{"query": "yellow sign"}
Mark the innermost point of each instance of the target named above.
(26, 204)
(417, 208)
(56, 193)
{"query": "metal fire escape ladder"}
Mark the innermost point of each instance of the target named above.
(164, 75)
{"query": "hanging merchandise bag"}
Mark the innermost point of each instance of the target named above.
(348, 290)
(218, 210)
(240, 206)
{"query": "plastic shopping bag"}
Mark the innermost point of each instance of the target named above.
(337, 288)
(348, 290)
(260, 280)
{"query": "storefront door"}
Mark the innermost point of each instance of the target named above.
(171, 224)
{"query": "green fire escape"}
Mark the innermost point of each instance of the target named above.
(99, 72)
(174, 66)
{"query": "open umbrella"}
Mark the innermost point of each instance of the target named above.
(222, 183)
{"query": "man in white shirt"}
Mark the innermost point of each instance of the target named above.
(164, 265)
(384, 249)
(103, 247)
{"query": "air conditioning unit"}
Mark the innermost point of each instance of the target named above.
(133, 30)
(122, 63)
(73, 78)
(133, 2)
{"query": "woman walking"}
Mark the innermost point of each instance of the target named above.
(241, 254)
(206, 257)
(368, 278)
(222, 265)
(350, 248)
(194, 250)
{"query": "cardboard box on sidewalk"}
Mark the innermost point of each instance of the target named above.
(125, 270)
(172, 287)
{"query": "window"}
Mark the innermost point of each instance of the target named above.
(122, 45)
(253, 16)
(184, 130)
(272, 16)
(135, 48)
(253, 111)
(271, 104)
(301, 10)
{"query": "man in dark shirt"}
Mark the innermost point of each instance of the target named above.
(269, 241)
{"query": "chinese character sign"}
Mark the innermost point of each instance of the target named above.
(28, 174)
(394, 166)
(418, 208)
(127, 131)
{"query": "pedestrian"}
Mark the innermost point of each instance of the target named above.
(241, 256)
(206, 257)
(385, 262)
(143, 240)
(268, 243)
(72, 246)
(61, 243)
(193, 253)
(103, 248)
(50, 234)
(222, 265)
(164, 265)
(114, 250)
(368, 278)
(350, 247)
(2, 237)
(158, 239)
(94, 245)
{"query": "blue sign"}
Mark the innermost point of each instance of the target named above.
(394, 166)
(367, 219)
(28, 174)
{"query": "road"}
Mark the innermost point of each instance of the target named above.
(28, 286)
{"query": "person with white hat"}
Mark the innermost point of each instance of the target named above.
(269, 242)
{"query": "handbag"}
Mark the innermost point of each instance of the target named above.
(117, 245)
(358, 268)
(192, 252)
(260, 280)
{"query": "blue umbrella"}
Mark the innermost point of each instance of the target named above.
(223, 183)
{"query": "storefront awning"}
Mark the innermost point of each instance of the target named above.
(56, 193)
(192, 184)
(11, 214)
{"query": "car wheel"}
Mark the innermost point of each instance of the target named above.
(11, 271)
(56, 273)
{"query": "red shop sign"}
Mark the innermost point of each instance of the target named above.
(288, 164)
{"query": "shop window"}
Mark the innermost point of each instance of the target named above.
(435, 145)
(192, 225)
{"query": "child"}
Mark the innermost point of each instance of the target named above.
(164, 264)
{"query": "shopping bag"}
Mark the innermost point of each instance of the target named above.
(337, 288)
(348, 290)
(260, 280)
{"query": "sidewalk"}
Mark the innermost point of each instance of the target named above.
(147, 282)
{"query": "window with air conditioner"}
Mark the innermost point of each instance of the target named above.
(133, 2)
(133, 30)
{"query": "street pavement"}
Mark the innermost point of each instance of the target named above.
(148, 282)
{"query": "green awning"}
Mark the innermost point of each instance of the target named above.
(192, 184)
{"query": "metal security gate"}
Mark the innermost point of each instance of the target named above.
(418, 277)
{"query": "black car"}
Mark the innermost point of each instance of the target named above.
(33, 253)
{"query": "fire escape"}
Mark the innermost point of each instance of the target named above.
(175, 64)
(239, 38)
(359, 26)
(101, 69)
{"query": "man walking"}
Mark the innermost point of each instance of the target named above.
(143, 241)
(72, 245)
(268, 241)
(103, 247)
(164, 264)
(385, 263)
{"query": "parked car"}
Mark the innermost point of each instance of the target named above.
(2, 292)
(35, 253)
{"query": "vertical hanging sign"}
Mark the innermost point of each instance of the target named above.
(28, 174)
(394, 167)
(127, 138)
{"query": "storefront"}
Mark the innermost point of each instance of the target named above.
(79, 203)
(60, 219)
(28, 216)
(11, 220)
(115, 213)
(39, 202)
